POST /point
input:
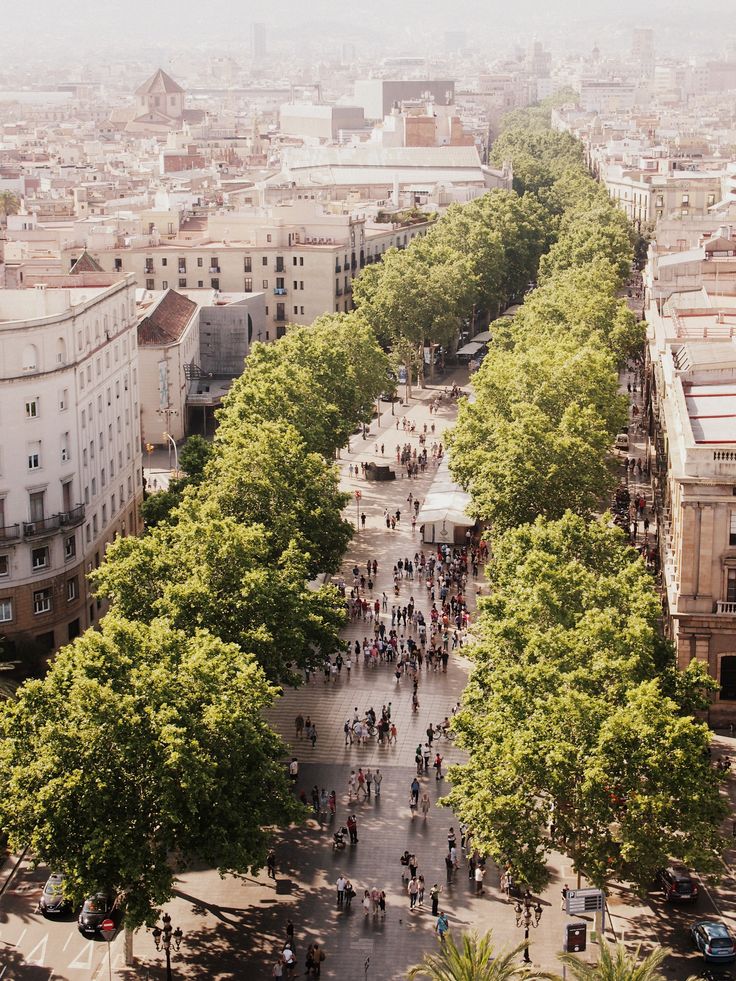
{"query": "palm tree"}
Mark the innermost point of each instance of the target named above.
(9, 203)
(616, 963)
(474, 959)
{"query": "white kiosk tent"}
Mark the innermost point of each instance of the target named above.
(443, 515)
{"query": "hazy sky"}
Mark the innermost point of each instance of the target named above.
(146, 23)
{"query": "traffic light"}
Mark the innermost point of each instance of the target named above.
(575, 937)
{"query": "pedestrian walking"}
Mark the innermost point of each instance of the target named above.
(479, 875)
(377, 781)
(352, 824)
(451, 839)
(442, 926)
(438, 767)
(420, 890)
(366, 902)
(299, 725)
(271, 863)
(434, 896)
(425, 805)
(349, 893)
(313, 734)
(415, 788)
(341, 883)
(294, 770)
(362, 519)
(413, 889)
(368, 781)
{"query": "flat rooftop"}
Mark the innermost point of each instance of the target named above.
(712, 411)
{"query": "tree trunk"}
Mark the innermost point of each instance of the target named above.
(129, 959)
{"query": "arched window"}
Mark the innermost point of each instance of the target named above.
(250, 329)
(60, 351)
(30, 358)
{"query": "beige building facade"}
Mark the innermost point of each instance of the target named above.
(692, 354)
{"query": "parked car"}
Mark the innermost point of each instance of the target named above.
(53, 902)
(677, 884)
(96, 909)
(622, 441)
(713, 940)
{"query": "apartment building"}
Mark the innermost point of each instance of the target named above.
(70, 460)
(646, 194)
(303, 257)
(692, 358)
(191, 345)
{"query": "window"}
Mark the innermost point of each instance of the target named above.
(94, 523)
(182, 283)
(301, 260)
(104, 515)
(36, 502)
(296, 310)
(731, 586)
(732, 529)
(32, 409)
(268, 238)
(65, 451)
(164, 284)
(150, 285)
(685, 200)
(34, 456)
(294, 260)
(296, 284)
(4, 565)
(39, 558)
(64, 400)
(264, 260)
(42, 601)
(215, 284)
(248, 284)
(200, 283)
(72, 589)
(200, 261)
(6, 610)
(182, 266)
(265, 284)
(711, 200)
(113, 509)
(301, 310)
(70, 547)
(247, 264)
(301, 284)
(29, 358)
(164, 261)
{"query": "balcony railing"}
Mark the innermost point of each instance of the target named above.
(10, 533)
(70, 519)
(44, 526)
(338, 291)
(280, 315)
(728, 608)
(338, 267)
(279, 291)
(214, 269)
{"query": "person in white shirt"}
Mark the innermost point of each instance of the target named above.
(341, 883)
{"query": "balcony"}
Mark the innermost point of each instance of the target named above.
(44, 526)
(338, 291)
(9, 533)
(70, 519)
(279, 265)
(148, 270)
(280, 316)
(723, 607)
(214, 270)
(338, 267)
(279, 291)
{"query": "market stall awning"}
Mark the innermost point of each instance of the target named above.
(470, 348)
(484, 337)
(447, 506)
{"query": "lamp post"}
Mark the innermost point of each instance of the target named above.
(176, 453)
(528, 914)
(165, 938)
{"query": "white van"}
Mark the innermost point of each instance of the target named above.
(622, 441)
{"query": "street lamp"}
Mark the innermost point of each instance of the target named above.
(528, 914)
(176, 453)
(164, 938)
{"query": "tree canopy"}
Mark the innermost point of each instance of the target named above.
(142, 750)
(573, 743)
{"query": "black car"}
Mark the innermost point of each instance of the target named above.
(677, 884)
(96, 909)
(53, 902)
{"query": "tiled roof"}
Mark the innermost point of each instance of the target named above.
(159, 82)
(86, 263)
(167, 321)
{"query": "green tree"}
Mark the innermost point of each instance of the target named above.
(416, 298)
(473, 959)
(213, 572)
(573, 744)
(140, 752)
(160, 505)
(321, 379)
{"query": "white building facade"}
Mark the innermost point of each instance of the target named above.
(70, 457)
